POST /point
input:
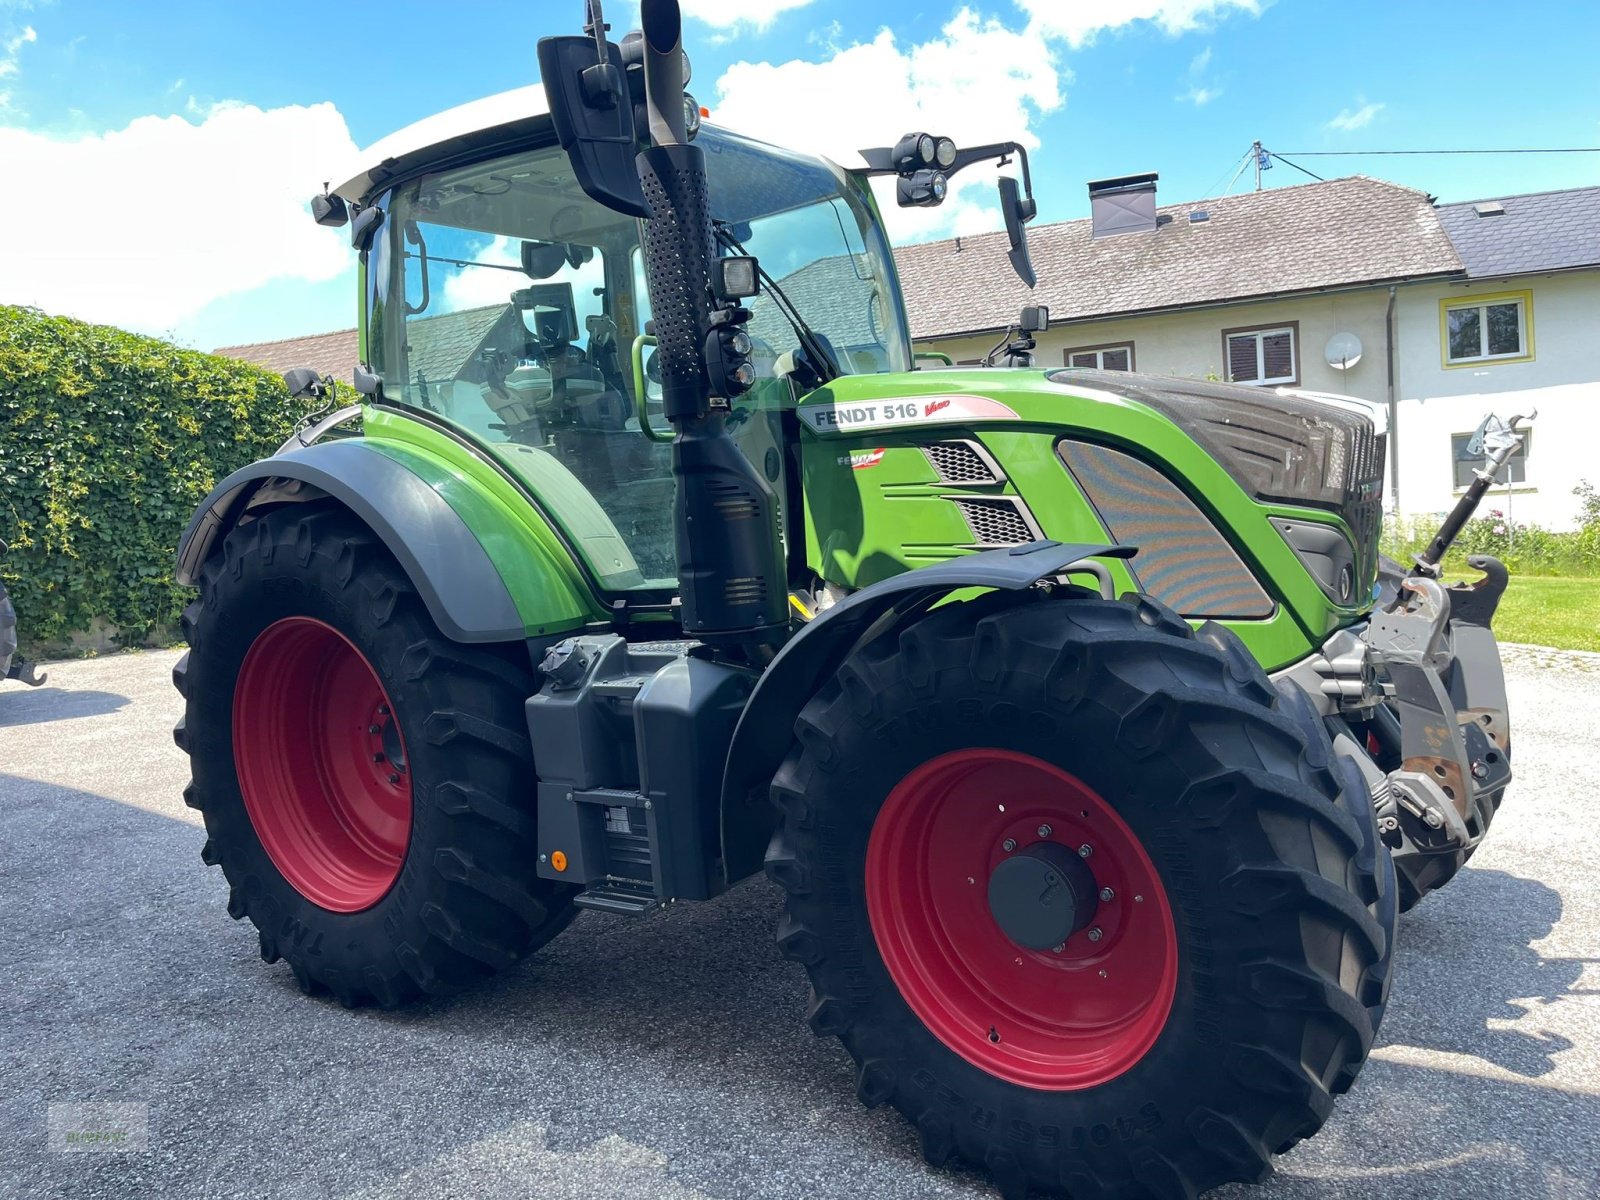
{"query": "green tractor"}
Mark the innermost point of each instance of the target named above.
(1093, 746)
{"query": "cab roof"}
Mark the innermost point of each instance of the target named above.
(518, 115)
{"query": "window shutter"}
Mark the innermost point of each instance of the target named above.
(1242, 358)
(1083, 360)
(1116, 360)
(1277, 353)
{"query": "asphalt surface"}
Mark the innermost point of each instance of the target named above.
(668, 1057)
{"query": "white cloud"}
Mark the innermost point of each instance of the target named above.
(1351, 119)
(148, 225)
(11, 50)
(977, 82)
(1200, 92)
(1079, 21)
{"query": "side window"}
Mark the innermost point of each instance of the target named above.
(489, 347)
(1116, 357)
(1264, 356)
(1488, 329)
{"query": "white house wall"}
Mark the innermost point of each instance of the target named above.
(1562, 381)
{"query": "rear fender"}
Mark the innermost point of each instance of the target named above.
(766, 729)
(419, 518)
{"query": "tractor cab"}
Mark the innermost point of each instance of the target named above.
(505, 303)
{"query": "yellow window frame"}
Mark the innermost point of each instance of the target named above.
(1524, 297)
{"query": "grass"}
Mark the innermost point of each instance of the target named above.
(1564, 613)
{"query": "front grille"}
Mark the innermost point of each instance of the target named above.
(1280, 447)
(962, 462)
(997, 522)
(1183, 560)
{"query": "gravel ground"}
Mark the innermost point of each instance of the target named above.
(668, 1057)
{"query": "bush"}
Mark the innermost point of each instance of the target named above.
(108, 443)
(1525, 549)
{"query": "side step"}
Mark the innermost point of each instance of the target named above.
(622, 897)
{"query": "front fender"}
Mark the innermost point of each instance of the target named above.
(766, 728)
(409, 507)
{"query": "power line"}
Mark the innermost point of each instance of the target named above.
(1514, 150)
(1212, 190)
(1296, 166)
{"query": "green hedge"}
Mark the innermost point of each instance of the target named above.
(108, 443)
(1525, 549)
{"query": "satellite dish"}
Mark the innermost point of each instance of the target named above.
(1343, 351)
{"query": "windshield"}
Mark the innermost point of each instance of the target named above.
(505, 301)
(817, 238)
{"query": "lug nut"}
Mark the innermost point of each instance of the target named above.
(383, 710)
(1044, 831)
(1107, 895)
(374, 729)
(394, 779)
(1085, 850)
(1058, 949)
(1009, 845)
(377, 758)
(1095, 935)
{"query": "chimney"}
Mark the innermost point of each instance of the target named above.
(1126, 204)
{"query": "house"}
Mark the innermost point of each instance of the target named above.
(1351, 286)
(1520, 331)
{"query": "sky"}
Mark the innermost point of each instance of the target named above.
(156, 160)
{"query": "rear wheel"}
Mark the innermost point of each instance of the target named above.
(1083, 896)
(367, 786)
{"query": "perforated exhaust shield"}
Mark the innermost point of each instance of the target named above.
(678, 248)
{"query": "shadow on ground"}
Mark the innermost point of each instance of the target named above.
(34, 706)
(679, 1039)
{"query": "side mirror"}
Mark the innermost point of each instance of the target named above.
(593, 117)
(305, 384)
(1035, 318)
(1018, 212)
(329, 210)
(365, 226)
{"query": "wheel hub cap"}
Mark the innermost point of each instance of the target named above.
(1042, 895)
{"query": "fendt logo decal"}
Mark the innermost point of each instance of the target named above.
(911, 410)
(860, 460)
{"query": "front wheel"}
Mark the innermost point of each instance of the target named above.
(367, 785)
(1082, 896)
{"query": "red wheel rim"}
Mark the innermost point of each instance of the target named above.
(1055, 1021)
(321, 764)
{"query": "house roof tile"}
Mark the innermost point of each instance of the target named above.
(1337, 233)
(1541, 231)
(326, 353)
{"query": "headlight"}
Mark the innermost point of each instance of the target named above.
(946, 153)
(691, 115)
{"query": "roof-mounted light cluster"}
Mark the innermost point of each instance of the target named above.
(922, 160)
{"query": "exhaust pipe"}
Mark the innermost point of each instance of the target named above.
(731, 571)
